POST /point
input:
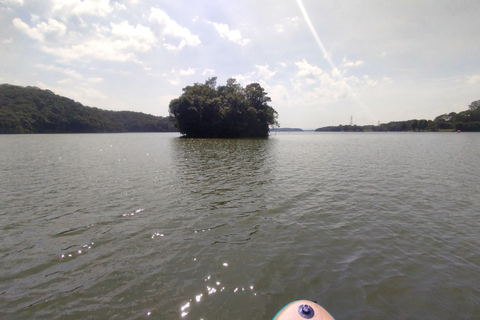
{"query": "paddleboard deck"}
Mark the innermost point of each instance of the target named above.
(303, 309)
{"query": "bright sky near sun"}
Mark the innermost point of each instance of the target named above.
(321, 61)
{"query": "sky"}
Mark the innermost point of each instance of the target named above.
(323, 62)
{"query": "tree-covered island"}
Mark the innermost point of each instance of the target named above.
(229, 111)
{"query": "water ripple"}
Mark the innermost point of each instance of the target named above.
(149, 225)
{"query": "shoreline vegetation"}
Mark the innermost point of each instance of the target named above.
(34, 110)
(245, 113)
(228, 111)
(468, 120)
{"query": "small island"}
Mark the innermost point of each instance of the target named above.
(229, 111)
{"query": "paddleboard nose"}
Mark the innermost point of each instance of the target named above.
(303, 309)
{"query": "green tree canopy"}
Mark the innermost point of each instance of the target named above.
(33, 110)
(475, 105)
(229, 111)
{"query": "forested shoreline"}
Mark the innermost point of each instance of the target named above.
(34, 110)
(468, 120)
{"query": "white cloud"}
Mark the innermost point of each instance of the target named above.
(347, 63)
(288, 24)
(101, 49)
(12, 2)
(40, 30)
(139, 38)
(307, 70)
(187, 72)
(70, 73)
(208, 71)
(336, 73)
(264, 72)
(473, 80)
(243, 79)
(119, 42)
(65, 8)
(234, 36)
(7, 41)
(369, 81)
(278, 93)
(119, 6)
(176, 80)
(169, 28)
(313, 83)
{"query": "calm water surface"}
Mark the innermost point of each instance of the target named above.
(151, 226)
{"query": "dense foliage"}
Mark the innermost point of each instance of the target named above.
(353, 128)
(229, 111)
(33, 110)
(468, 120)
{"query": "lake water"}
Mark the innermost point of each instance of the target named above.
(151, 226)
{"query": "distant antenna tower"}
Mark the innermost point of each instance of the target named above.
(351, 120)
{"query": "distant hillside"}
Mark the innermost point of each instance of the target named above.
(342, 128)
(468, 120)
(33, 110)
(287, 129)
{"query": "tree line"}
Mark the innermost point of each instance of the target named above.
(468, 120)
(229, 111)
(33, 110)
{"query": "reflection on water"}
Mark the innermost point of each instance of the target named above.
(224, 178)
(226, 182)
(224, 166)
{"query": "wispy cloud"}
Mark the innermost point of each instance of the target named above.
(313, 82)
(264, 71)
(13, 2)
(347, 63)
(177, 75)
(66, 8)
(40, 31)
(287, 24)
(69, 73)
(234, 36)
(169, 30)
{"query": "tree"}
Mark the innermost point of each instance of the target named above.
(229, 111)
(475, 105)
(414, 125)
(422, 124)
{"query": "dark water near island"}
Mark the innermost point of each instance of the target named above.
(151, 226)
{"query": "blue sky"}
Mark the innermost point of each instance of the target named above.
(321, 61)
